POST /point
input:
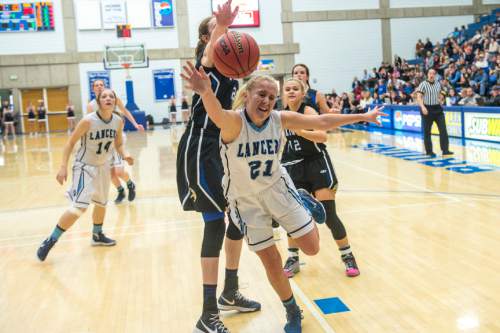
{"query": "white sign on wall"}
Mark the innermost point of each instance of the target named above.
(483, 126)
(113, 13)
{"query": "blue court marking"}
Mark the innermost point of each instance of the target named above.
(331, 305)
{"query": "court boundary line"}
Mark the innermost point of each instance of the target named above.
(312, 309)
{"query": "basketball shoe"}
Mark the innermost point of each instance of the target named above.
(210, 322)
(294, 321)
(313, 206)
(131, 191)
(351, 268)
(234, 300)
(292, 266)
(44, 249)
(120, 197)
(99, 239)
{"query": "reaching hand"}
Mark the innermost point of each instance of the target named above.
(197, 80)
(224, 15)
(129, 160)
(62, 175)
(140, 128)
(373, 114)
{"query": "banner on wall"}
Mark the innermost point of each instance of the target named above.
(248, 14)
(163, 13)
(407, 120)
(113, 13)
(164, 84)
(483, 126)
(453, 124)
(97, 75)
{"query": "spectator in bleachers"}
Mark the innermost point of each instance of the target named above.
(419, 47)
(494, 100)
(428, 45)
(469, 98)
(452, 98)
(460, 64)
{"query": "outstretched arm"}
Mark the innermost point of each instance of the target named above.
(297, 121)
(318, 136)
(224, 18)
(229, 122)
(128, 115)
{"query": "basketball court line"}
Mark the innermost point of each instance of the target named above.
(421, 188)
(180, 222)
(310, 306)
(169, 198)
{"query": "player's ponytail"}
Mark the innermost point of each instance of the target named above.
(203, 37)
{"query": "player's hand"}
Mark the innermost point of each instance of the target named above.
(129, 160)
(139, 127)
(197, 80)
(425, 112)
(62, 175)
(373, 114)
(224, 16)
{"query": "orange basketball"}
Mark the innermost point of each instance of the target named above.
(236, 54)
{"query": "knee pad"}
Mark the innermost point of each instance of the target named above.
(232, 232)
(213, 236)
(333, 221)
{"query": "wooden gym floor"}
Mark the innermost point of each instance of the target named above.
(427, 241)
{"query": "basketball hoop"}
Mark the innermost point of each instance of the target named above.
(126, 66)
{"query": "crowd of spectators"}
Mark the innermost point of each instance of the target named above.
(468, 69)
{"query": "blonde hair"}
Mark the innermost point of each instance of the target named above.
(239, 99)
(302, 85)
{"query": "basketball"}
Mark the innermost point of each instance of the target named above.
(236, 54)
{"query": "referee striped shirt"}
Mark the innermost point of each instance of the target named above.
(430, 91)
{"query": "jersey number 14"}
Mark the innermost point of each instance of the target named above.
(106, 147)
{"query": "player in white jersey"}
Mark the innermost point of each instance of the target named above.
(258, 189)
(97, 133)
(117, 167)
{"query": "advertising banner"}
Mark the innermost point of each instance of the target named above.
(453, 124)
(407, 120)
(163, 13)
(483, 126)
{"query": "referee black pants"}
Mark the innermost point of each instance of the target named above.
(435, 114)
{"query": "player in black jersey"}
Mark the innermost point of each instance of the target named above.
(307, 161)
(313, 98)
(199, 183)
(70, 116)
(41, 114)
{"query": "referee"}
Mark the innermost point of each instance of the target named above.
(428, 95)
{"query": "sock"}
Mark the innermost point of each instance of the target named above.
(97, 229)
(345, 251)
(58, 231)
(120, 188)
(293, 252)
(290, 304)
(209, 300)
(130, 184)
(231, 281)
